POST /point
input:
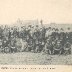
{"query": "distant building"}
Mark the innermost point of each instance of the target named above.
(27, 22)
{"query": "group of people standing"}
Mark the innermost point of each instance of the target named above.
(35, 39)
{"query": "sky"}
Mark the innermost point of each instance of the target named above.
(58, 11)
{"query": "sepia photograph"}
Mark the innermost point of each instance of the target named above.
(36, 32)
(30, 38)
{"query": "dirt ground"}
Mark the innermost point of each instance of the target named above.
(28, 58)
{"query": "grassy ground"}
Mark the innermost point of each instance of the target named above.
(28, 58)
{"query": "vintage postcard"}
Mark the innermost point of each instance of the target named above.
(36, 35)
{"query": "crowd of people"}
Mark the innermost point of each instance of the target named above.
(35, 39)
